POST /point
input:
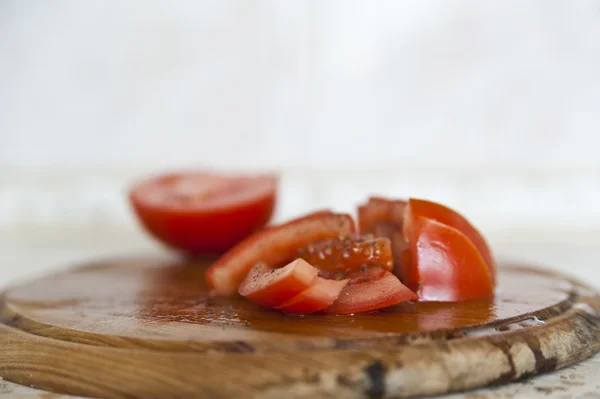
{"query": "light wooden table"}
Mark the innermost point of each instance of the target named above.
(21, 259)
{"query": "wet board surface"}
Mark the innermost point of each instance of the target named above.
(146, 328)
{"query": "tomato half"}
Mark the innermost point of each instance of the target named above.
(321, 294)
(270, 287)
(338, 257)
(275, 246)
(446, 265)
(204, 213)
(420, 208)
(375, 289)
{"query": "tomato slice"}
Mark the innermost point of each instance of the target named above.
(270, 287)
(203, 212)
(320, 295)
(338, 257)
(371, 291)
(420, 208)
(446, 265)
(274, 246)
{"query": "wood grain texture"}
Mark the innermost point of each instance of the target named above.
(146, 328)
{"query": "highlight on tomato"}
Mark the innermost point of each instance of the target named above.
(204, 212)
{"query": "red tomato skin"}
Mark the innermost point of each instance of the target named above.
(204, 230)
(440, 213)
(447, 266)
(321, 294)
(274, 246)
(271, 287)
(371, 294)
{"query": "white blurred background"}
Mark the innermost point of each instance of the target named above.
(491, 107)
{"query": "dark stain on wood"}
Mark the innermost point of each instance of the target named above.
(542, 364)
(375, 373)
(504, 346)
(243, 347)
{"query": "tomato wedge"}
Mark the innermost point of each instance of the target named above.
(320, 295)
(446, 265)
(366, 293)
(420, 208)
(274, 246)
(203, 212)
(270, 287)
(338, 257)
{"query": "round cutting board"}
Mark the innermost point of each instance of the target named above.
(147, 328)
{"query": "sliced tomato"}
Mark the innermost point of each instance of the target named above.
(385, 218)
(369, 292)
(204, 212)
(321, 294)
(275, 246)
(420, 208)
(379, 209)
(339, 256)
(270, 287)
(446, 265)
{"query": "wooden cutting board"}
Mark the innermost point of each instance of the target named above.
(146, 328)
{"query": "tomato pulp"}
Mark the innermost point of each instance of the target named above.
(384, 217)
(338, 257)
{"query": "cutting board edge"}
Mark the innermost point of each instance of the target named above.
(442, 366)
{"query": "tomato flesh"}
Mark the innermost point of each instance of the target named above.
(446, 265)
(340, 256)
(420, 208)
(274, 246)
(385, 218)
(368, 292)
(271, 287)
(379, 210)
(203, 213)
(318, 296)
